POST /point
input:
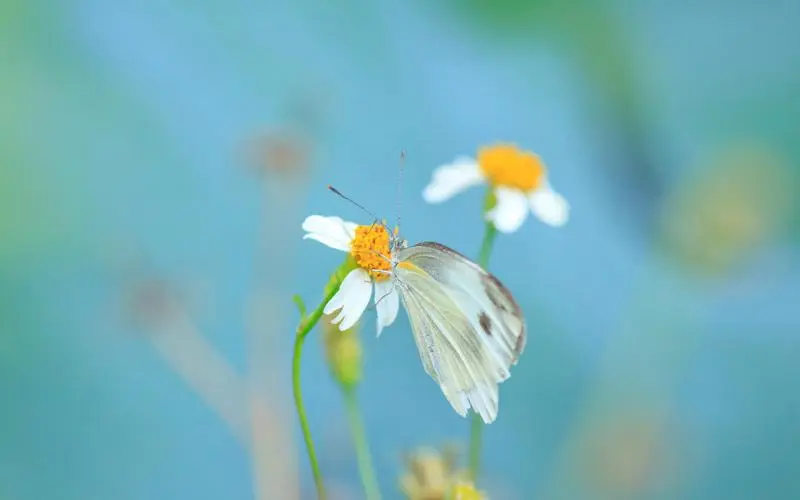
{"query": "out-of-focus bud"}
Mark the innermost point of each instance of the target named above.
(283, 152)
(150, 303)
(717, 218)
(343, 352)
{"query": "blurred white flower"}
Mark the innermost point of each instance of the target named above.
(371, 251)
(518, 178)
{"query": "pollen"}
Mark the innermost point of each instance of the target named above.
(370, 250)
(507, 165)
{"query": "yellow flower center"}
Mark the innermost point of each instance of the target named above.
(370, 250)
(507, 165)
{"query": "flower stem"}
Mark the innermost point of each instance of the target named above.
(486, 245)
(307, 323)
(365, 470)
(476, 425)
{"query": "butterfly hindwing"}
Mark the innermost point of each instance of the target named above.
(451, 354)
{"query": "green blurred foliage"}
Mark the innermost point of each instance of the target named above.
(27, 221)
(588, 29)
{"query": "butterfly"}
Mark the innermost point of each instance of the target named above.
(467, 326)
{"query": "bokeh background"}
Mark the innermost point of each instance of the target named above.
(157, 159)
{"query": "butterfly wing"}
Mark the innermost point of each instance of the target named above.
(467, 326)
(451, 358)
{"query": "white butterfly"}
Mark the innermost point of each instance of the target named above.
(467, 326)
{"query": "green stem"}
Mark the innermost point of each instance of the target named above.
(365, 470)
(476, 425)
(475, 440)
(486, 245)
(306, 325)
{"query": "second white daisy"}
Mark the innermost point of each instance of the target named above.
(520, 183)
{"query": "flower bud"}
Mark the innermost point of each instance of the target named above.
(343, 352)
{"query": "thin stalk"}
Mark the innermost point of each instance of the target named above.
(307, 323)
(487, 245)
(365, 470)
(476, 425)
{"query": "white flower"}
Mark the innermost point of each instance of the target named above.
(520, 183)
(369, 246)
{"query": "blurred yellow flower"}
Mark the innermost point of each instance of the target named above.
(432, 475)
(718, 217)
(466, 491)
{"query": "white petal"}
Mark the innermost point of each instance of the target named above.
(549, 206)
(449, 180)
(387, 302)
(331, 231)
(352, 298)
(510, 211)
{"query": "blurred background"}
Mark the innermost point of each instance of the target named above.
(158, 158)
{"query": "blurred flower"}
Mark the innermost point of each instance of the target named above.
(518, 179)
(151, 302)
(717, 218)
(343, 352)
(466, 491)
(432, 475)
(628, 454)
(283, 152)
(370, 249)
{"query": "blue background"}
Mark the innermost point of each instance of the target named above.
(134, 148)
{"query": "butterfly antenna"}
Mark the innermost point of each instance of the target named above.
(339, 193)
(400, 186)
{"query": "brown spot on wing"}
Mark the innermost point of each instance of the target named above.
(485, 322)
(494, 288)
(520, 345)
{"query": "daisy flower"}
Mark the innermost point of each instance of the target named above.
(370, 247)
(518, 179)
